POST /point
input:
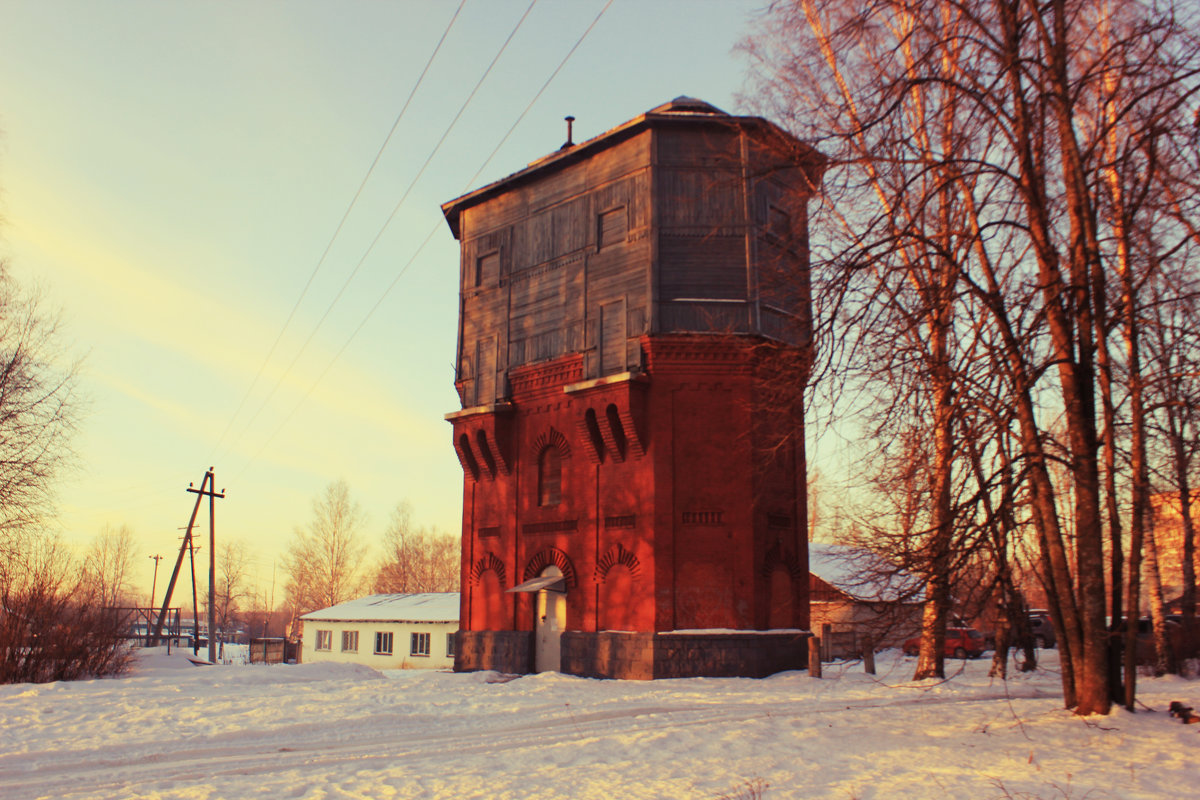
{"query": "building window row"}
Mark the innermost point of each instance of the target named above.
(384, 643)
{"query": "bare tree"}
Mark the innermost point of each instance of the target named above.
(49, 631)
(48, 628)
(325, 562)
(39, 406)
(233, 563)
(417, 559)
(1175, 397)
(108, 567)
(1004, 148)
(900, 243)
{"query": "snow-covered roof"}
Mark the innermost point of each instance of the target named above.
(427, 607)
(861, 574)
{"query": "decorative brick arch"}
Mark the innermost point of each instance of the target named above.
(489, 562)
(776, 556)
(617, 554)
(552, 438)
(551, 556)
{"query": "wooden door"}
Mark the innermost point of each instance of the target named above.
(548, 627)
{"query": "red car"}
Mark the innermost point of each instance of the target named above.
(960, 643)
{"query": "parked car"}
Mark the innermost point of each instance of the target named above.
(1042, 629)
(1146, 653)
(960, 643)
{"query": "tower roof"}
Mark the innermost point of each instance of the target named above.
(682, 110)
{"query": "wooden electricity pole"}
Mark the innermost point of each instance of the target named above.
(207, 489)
(154, 583)
(184, 548)
(211, 482)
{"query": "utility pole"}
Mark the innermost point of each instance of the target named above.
(191, 546)
(154, 583)
(184, 548)
(212, 494)
(271, 602)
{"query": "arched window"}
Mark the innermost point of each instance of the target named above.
(618, 430)
(549, 477)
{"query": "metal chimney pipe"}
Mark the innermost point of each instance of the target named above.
(570, 140)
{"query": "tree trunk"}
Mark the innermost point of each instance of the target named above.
(1067, 303)
(1164, 657)
(1187, 598)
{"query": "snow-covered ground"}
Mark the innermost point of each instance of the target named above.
(172, 730)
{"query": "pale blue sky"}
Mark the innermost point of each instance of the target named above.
(170, 174)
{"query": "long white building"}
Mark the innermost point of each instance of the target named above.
(385, 631)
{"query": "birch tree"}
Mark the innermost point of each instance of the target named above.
(416, 558)
(325, 563)
(991, 136)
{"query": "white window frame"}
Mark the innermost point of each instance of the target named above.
(382, 637)
(324, 640)
(450, 645)
(349, 641)
(420, 644)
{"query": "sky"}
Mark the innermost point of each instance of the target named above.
(173, 181)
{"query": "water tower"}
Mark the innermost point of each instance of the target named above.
(634, 327)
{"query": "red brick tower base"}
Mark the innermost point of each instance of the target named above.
(660, 514)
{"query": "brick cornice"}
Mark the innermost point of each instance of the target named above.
(722, 350)
(547, 376)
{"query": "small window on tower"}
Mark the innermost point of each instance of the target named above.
(487, 268)
(550, 477)
(611, 227)
(779, 223)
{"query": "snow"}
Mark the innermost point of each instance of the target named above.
(174, 730)
(861, 574)
(427, 607)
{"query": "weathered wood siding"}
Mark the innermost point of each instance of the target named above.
(679, 228)
(548, 266)
(732, 247)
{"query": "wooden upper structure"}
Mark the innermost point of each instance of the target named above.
(683, 219)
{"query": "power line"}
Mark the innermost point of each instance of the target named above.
(428, 237)
(337, 231)
(338, 354)
(537, 96)
(390, 217)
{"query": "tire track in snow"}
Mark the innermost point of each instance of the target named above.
(297, 751)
